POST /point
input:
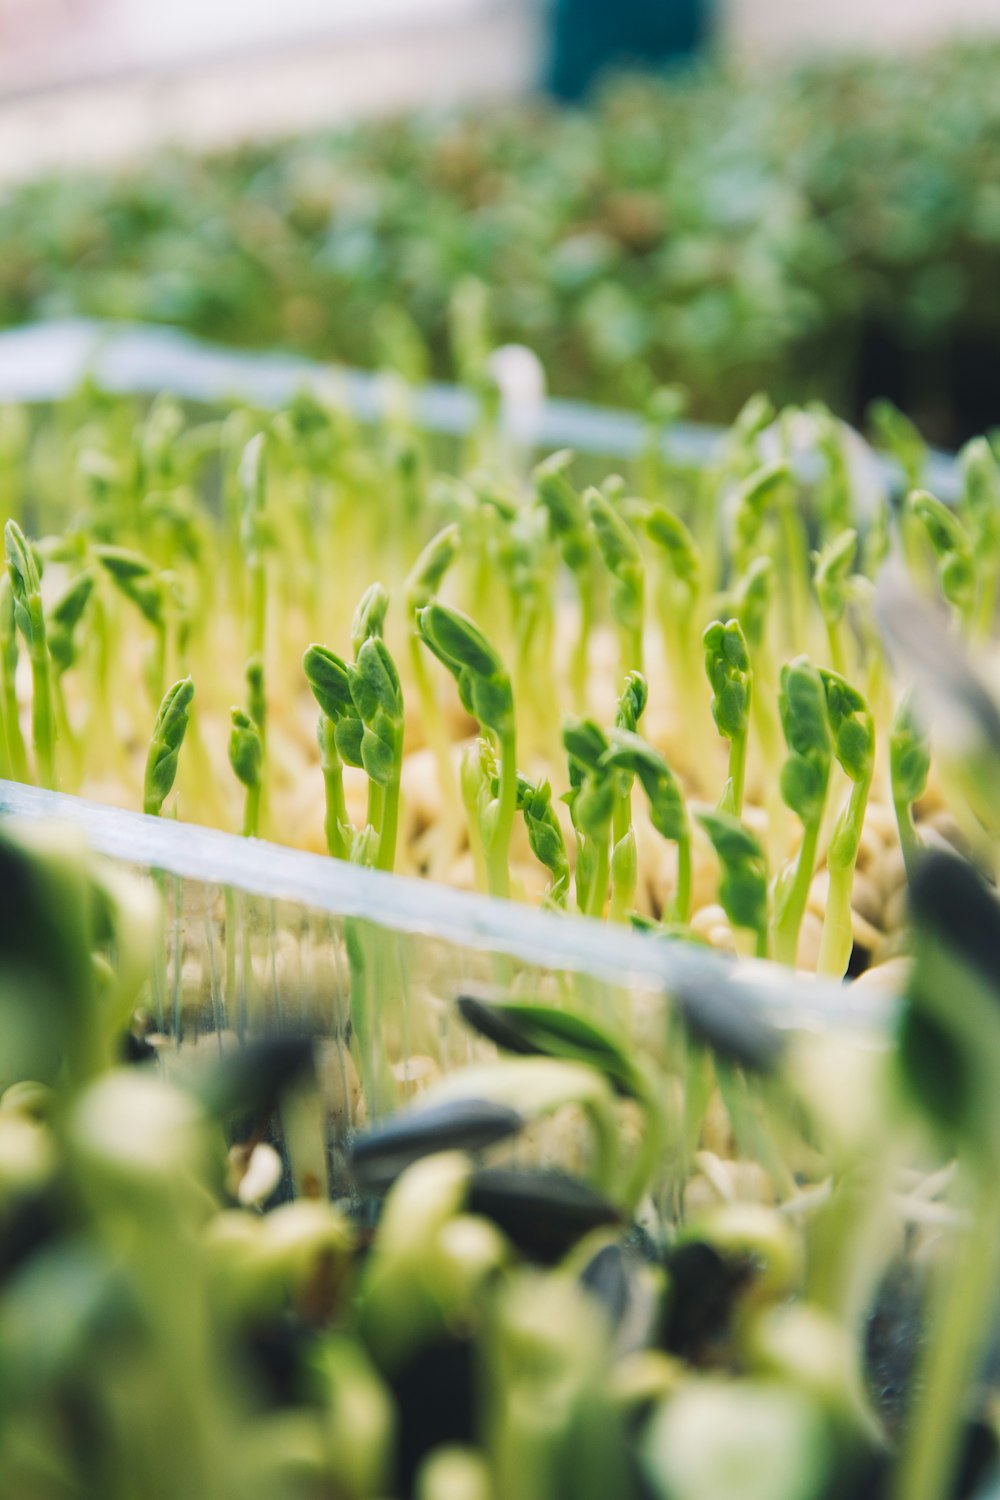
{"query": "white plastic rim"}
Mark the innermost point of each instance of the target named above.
(47, 362)
(696, 977)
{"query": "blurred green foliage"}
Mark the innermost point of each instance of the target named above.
(831, 231)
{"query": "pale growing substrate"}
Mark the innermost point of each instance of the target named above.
(672, 704)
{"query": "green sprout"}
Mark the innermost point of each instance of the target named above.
(678, 594)
(485, 692)
(626, 572)
(360, 725)
(805, 780)
(135, 577)
(568, 524)
(14, 749)
(64, 617)
(326, 674)
(667, 808)
(165, 745)
(909, 763)
(743, 883)
(594, 789)
(422, 582)
(893, 431)
(980, 509)
(624, 854)
(727, 663)
(545, 836)
(253, 499)
(29, 619)
(834, 566)
(853, 732)
(953, 551)
(246, 756)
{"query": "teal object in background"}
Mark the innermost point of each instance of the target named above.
(590, 36)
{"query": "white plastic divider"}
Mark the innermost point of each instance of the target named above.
(724, 993)
(47, 361)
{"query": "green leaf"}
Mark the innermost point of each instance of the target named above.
(743, 887)
(483, 684)
(529, 1026)
(369, 617)
(622, 558)
(63, 618)
(727, 663)
(952, 547)
(165, 744)
(667, 807)
(246, 753)
(852, 725)
(135, 577)
(327, 675)
(834, 566)
(909, 755)
(805, 775)
(566, 514)
(425, 577)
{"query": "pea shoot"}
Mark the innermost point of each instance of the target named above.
(727, 663)
(852, 731)
(29, 620)
(165, 745)
(485, 691)
(805, 780)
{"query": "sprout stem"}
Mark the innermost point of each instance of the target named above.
(790, 902)
(497, 847)
(684, 893)
(333, 781)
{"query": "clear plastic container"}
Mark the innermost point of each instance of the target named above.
(260, 937)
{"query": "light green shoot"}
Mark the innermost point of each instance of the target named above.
(63, 619)
(478, 764)
(624, 854)
(755, 499)
(534, 802)
(743, 882)
(952, 547)
(626, 575)
(750, 603)
(138, 581)
(770, 492)
(896, 434)
(485, 691)
(909, 763)
(667, 807)
(165, 745)
(378, 698)
(422, 582)
(678, 592)
(594, 788)
(853, 732)
(326, 674)
(834, 566)
(361, 725)
(29, 619)
(246, 756)
(568, 525)
(727, 663)
(15, 752)
(980, 509)
(253, 497)
(805, 781)
(833, 491)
